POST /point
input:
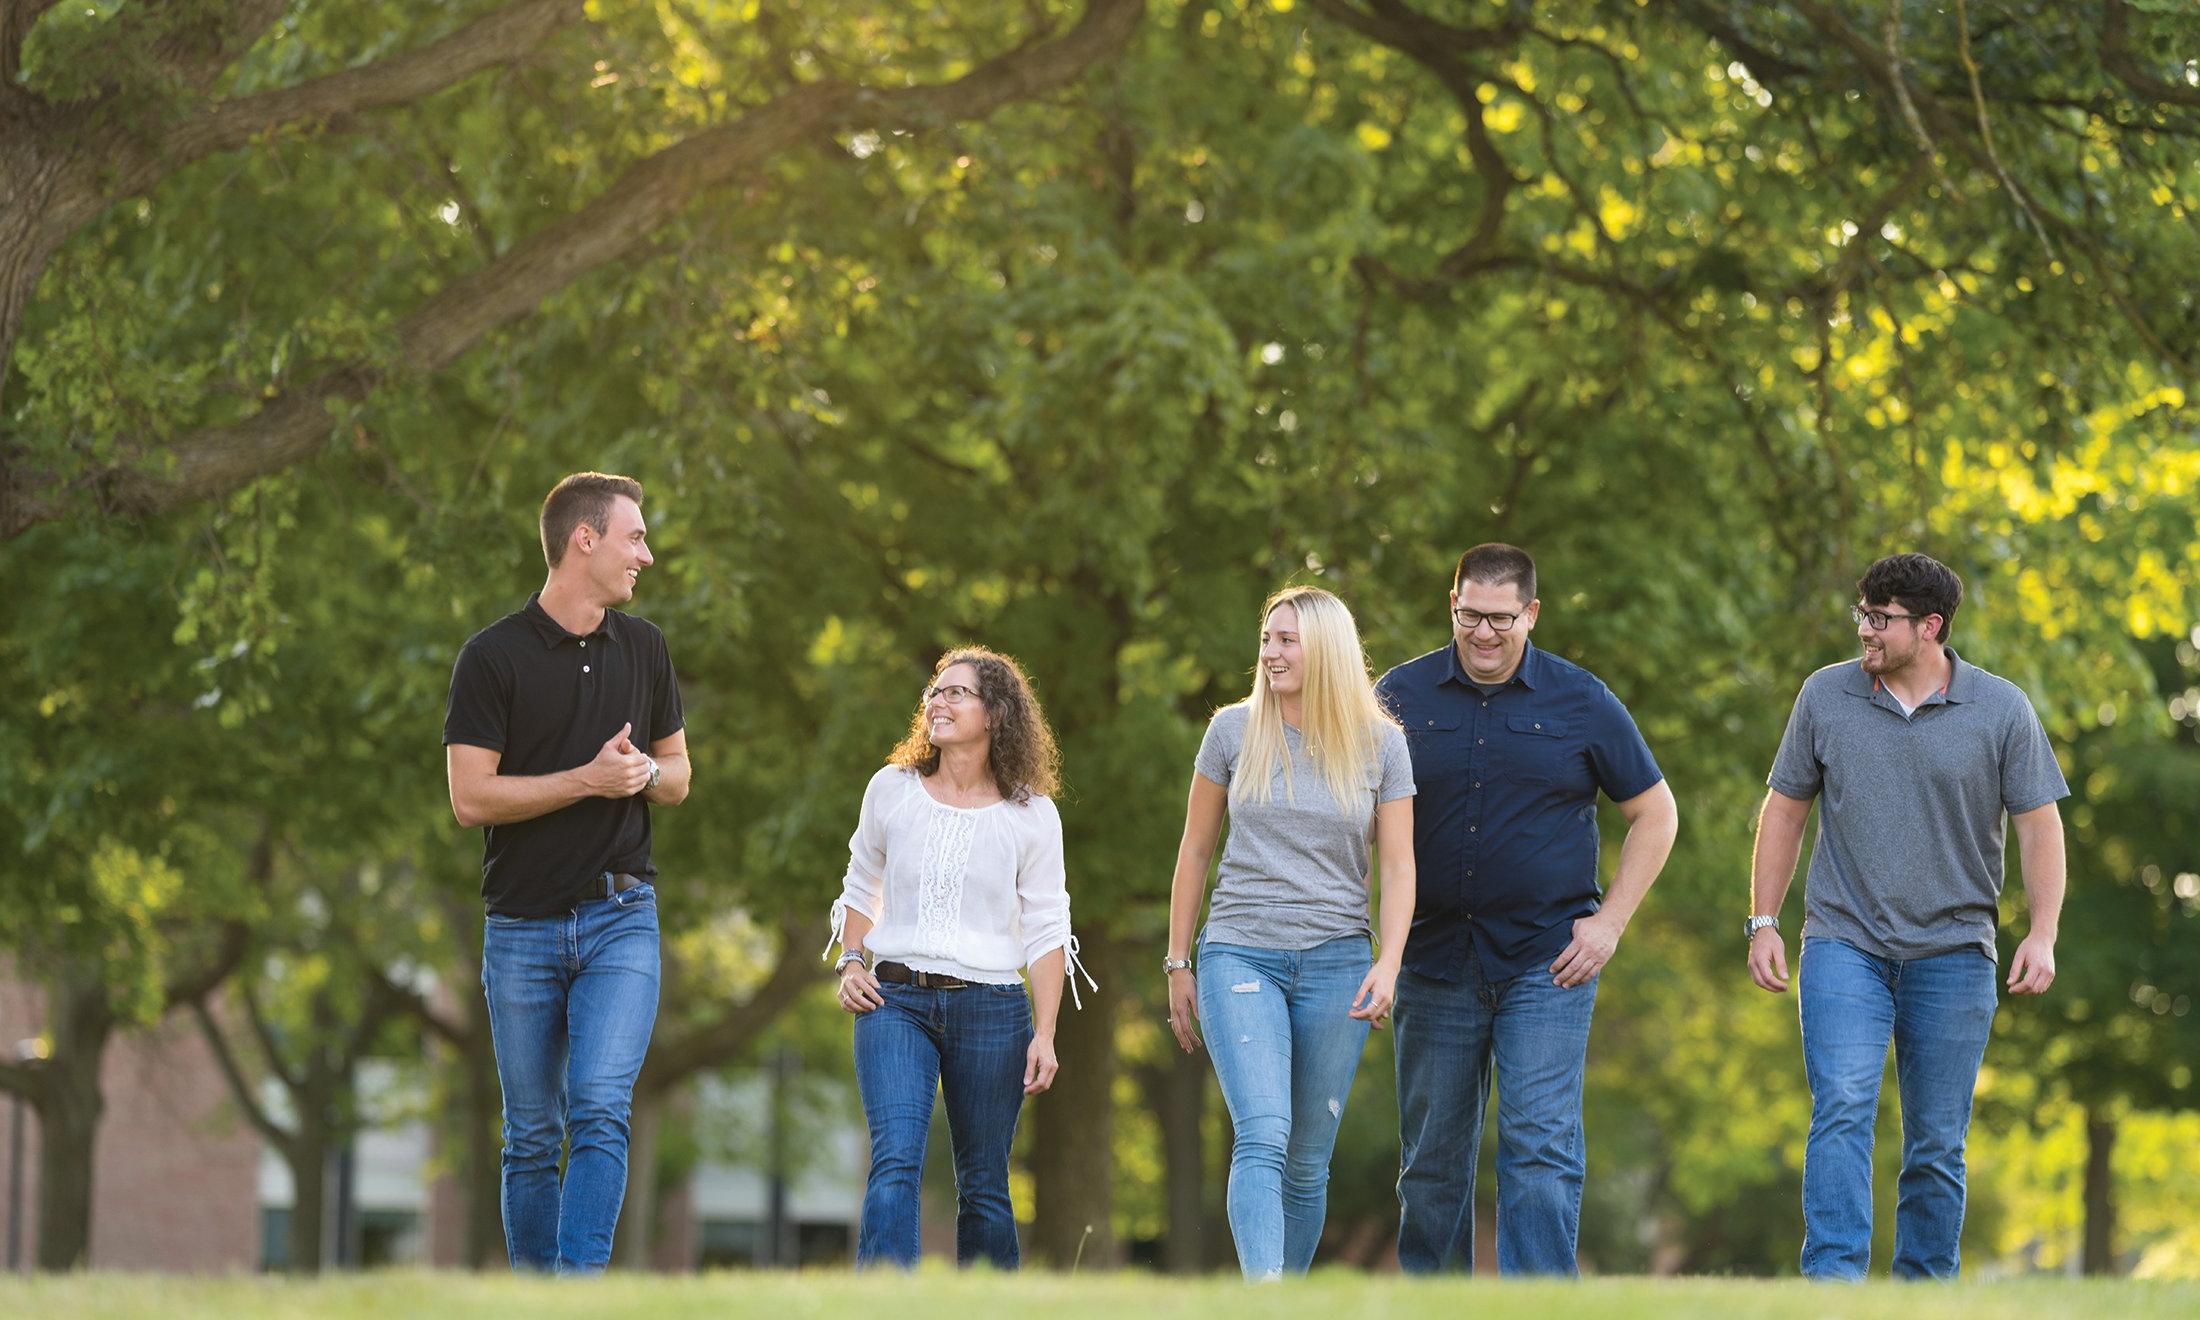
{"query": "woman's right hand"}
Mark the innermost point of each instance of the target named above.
(1184, 1008)
(859, 991)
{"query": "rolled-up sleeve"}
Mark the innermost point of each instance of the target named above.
(863, 887)
(1042, 884)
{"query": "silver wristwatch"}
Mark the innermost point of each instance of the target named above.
(1175, 965)
(655, 772)
(851, 956)
(1755, 924)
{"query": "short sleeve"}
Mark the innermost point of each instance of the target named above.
(1397, 766)
(479, 711)
(1218, 750)
(1622, 760)
(665, 714)
(2030, 779)
(1796, 772)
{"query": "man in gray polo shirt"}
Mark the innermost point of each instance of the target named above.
(1917, 756)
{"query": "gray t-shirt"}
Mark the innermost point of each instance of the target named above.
(1294, 872)
(1908, 862)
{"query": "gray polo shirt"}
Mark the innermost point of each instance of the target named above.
(1294, 872)
(1911, 821)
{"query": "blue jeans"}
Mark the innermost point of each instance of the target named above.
(1276, 1024)
(1449, 1036)
(1939, 1012)
(969, 1045)
(572, 1000)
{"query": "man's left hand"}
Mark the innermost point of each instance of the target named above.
(1595, 940)
(2032, 970)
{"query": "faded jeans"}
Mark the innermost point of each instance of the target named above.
(1277, 1024)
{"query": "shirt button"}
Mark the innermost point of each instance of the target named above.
(1539, 726)
(1478, 783)
(1472, 828)
(1478, 742)
(584, 669)
(584, 643)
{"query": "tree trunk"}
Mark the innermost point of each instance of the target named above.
(636, 1236)
(1073, 1146)
(1176, 1091)
(68, 1122)
(2100, 1193)
(482, 1129)
(28, 178)
(308, 1161)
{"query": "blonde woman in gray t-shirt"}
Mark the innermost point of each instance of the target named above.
(1310, 770)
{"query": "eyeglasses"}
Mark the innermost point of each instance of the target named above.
(1472, 619)
(954, 694)
(1879, 619)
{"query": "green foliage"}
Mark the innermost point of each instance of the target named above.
(1085, 380)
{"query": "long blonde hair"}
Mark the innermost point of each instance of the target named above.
(1341, 719)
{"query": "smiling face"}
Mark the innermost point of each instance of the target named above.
(615, 558)
(1488, 655)
(1890, 650)
(952, 719)
(1282, 659)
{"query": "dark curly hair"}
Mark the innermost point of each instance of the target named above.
(1023, 756)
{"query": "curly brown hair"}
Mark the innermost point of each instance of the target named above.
(1023, 756)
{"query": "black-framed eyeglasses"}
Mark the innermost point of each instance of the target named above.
(1473, 619)
(1879, 619)
(954, 694)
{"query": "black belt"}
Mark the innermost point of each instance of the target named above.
(896, 972)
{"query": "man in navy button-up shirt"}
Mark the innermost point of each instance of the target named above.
(1510, 746)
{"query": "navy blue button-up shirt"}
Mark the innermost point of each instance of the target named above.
(1505, 811)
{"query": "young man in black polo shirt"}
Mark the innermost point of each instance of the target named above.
(550, 711)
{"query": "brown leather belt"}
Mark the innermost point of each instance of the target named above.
(896, 972)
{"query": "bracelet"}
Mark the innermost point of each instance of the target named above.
(852, 956)
(1175, 965)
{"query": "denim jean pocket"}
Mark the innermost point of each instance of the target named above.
(1006, 989)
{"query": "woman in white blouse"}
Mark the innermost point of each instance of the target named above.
(955, 882)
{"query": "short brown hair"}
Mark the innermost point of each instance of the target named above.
(1495, 564)
(1024, 758)
(584, 497)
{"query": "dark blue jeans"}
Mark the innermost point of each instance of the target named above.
(1450, 1035)
(1939, 1012)
(572, 1000)
(969, 1045)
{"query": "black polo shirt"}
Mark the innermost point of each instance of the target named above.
(548, 701)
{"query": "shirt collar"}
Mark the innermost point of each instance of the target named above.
(1955, 690)
(553, 633)
(1528, 674)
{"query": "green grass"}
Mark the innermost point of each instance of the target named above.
(939, 1294)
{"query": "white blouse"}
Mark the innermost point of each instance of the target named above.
(974, 892)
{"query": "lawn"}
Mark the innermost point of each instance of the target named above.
(938, 1294)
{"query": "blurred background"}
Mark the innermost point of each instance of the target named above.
(1073, 329)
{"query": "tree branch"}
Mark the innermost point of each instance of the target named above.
(649, 195)
(239, 1085)
(2120, 59)
(494, 39)
(675, 1059)
(17, 18)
